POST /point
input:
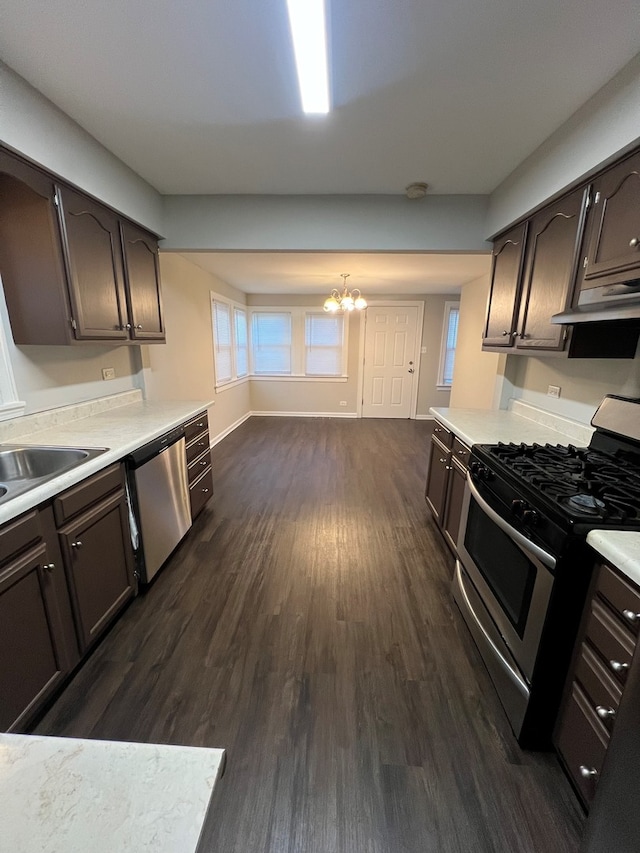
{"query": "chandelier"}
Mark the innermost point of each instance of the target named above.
(345, 301)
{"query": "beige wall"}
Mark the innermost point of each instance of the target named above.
(182, 369)
(428, 392)
(477, 375)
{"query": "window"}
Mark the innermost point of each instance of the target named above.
(230, 341)
(324, 338)
(449, 341)
(271, 342)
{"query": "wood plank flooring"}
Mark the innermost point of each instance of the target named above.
(307, 626)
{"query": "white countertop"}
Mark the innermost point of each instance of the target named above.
(121, 429)
(523, 423)
(621, 548)
(64, 795)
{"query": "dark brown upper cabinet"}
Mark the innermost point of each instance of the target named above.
(613, 247)
(72, 269)
(142, 276)
(506, 275)
(553, 243)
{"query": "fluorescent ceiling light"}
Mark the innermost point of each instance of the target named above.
(309, 32)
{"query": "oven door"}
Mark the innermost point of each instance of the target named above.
(512, 576)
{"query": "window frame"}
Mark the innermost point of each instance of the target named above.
(449, 308)
(235, 309)
(298, 315)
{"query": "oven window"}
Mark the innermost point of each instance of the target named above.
(507, 571)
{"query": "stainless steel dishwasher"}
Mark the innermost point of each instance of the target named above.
(159, 492)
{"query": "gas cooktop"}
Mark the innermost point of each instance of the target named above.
(583, 483)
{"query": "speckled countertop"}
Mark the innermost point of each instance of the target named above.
(521, 423)
(121, 423)
(621, 548)
(64, 795)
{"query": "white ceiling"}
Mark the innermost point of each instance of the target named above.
(199, 96)
(319, 272)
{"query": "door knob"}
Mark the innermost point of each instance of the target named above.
(411, 370)
(634, 242)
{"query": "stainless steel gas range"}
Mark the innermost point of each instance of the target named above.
(524, 567)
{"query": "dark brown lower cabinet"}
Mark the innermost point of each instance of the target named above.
(37, 641)
(446, 479)
(99, 565)
(198, 462)
(66, 570)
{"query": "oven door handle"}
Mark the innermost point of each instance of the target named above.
(520, 540)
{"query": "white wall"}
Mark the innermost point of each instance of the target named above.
(607, 123)
(331, 223)
(33, 126)
(428, 392)
(477, 375)
(182, 369)
(584, 382)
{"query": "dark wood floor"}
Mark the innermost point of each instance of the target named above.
(306, 625)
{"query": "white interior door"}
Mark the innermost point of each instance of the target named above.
(390, 359)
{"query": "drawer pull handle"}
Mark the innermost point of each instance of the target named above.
(204, 463)
(200, 425)
(77, 544)
(462, 453)
(587, 772)
(605, 713)
(49, 567)
(205, 491)
(631, 616)
(442, 460)
(618, 667)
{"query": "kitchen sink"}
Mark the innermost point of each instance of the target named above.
(23, 467)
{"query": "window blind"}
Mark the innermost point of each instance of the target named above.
(222, 342)
(271, 342)
(451, 340)
(323, 345)
(241, 347)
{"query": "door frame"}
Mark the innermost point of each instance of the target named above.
(391, 303)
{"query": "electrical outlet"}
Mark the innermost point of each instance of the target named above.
(553, 391)
(108, 373)
(343, 402)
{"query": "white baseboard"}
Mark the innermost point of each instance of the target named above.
(305, 414)
(230, 429)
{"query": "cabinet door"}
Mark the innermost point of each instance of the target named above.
(31, 259)
(437, 475)
(453, 504)
(508, 254)
(553, 243)
(142, 273)
(31, 660)
(97, 553)
(613, 253)
(94, 263)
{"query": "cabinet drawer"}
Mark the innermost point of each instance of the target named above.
(200, 491)
(461, 452)
(582, 742)
(197, 447)
(195, 426)
(443, 435)
(614, 642)
(600, 687)
(199, 466)
(621, 596)
(86, 493)
(19, 535)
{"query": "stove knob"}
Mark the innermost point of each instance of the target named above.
(517, 507)
(530, 516)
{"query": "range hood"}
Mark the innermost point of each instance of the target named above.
(604, 304)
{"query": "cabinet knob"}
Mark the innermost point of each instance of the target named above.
(126, 327)
(631, 616)
(205, 491)
(442, 460)
(634, 242)
(138, 325)
(618, 667)
(200, 425)
(587, 772)
(76, 544)
(49, 567)
(605, 713)
(505, 333)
